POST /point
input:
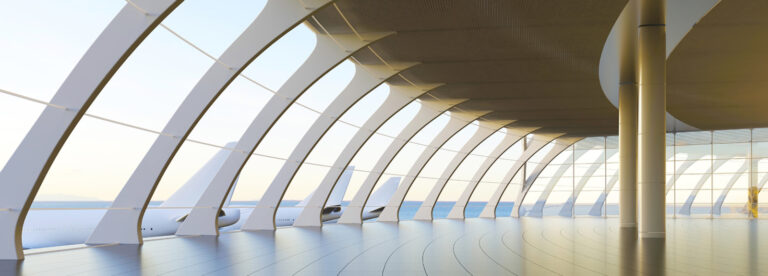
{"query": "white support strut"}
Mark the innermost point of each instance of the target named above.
(398, 98)
(278, 18)
(513, 136)
(537, 142)
(486, 129)
(538, 207)
(24, 172)
(559, 146)
(366, 78)
(457, 122)
(429, 110)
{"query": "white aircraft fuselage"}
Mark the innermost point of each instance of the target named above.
(43, 228)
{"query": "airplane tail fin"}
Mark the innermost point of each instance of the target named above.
(341, 187)
(190, 192)
(337, 195)
(381, 196)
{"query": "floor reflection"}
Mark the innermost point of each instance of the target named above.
(652, 256)
(628, 251)
(503, 246)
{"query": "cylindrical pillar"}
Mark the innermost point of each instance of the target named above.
(651, 117)
(628, 154)
(628, 116)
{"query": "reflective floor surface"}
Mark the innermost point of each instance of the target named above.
(503, 246)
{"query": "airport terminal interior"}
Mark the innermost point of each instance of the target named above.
(391, 137)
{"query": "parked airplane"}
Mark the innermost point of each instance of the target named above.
(379, 198)
(285, 216)
(44, 228)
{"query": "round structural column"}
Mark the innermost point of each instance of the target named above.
(628, 117)
(651, 117)
(628, 155)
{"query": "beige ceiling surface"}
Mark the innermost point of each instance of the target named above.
(535, 62)
(718, 74)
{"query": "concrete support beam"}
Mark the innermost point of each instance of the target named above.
(429, 110)
(486, 129)
(117, 225)
(513, 136)
(628, 116)
(399, 97)
(122, 223)
(457, 122)
(718, 205)
(652, 117)
(679, 171)
(560, 145)
(366, 78)
(709, 175)
(567, 209)
(24, 172)
(538, 207)
(537, 142)
(597, 208)
(628, 155)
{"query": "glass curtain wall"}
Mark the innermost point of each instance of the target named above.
(710, 174)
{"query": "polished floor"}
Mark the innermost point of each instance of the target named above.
(503, 246)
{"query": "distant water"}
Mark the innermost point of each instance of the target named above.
(409, 208)
(407, 212)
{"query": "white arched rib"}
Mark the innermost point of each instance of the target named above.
(512, 137)
(22, 175)
(538, 141)
(538, 207)
(399, 97)
(559, 146)
(116, 226)
(486, 129)
(367, 77)
(428, 111)
(567, 209)
(457, 122)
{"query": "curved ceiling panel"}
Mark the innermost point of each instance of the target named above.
(716, 77)
(535, 62)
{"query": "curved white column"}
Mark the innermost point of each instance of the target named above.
(718, 205)
(457, 122)
(559, 146)
(513, 136)
(366, 79)
(567, 209)
(399, 97)
(117, 225)
(597, 208)
(486, 129)
(686, 208)
(652, 68)
(538, 207)
(22, 175)
(681, 170)
(538, 141)
(430, 109)
(627, 116)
